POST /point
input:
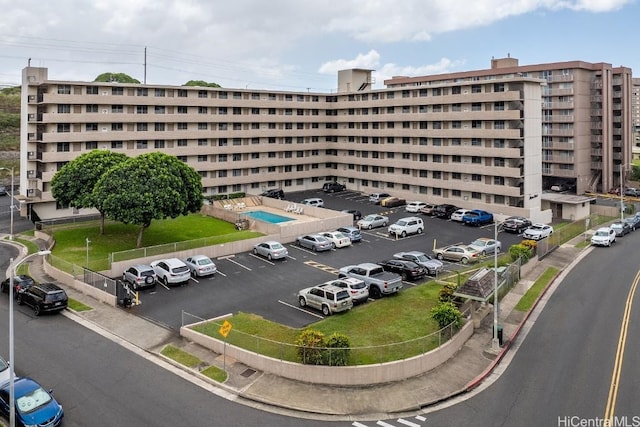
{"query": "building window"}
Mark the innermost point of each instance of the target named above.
(91, 127)
(437, 158)
(141, 127)
(202, 126)
(456, 175)
(203, 142)
(159, 127)
(182, 109)
(182, 126)
(91, 108)
(117, 91)
(498, 124)
(63, 127)
(117, 109)
(159, 143)
(476, 160)
(222, 157)
(141, 145)
(160, 93)
(182, 93)
(117, 127)
(116, 145)
(182, 143)
(64, 108)
(202, 157)
(476, 177)
(143, 91)
(498, 106)
(182, 158)
(456, 159)
(64, 89)
(498, 87)
(91, 145)
(476, 89)
(142, 109)
(202, 94)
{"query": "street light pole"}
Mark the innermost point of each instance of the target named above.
(495, 342)
(621, 188)
(12, 273)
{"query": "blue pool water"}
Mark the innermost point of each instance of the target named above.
(267, 217)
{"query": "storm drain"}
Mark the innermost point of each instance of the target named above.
(247, 373)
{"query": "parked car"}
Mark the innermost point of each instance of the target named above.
(314, 201)
(352, 233)
(356, 213)
(459, 214)
(427, 209)
(633, 221)
(516, 224)
(4, 371)
(315, 242)
(171, 271)
(357, 289)
(444, 211)
(560, 187)
(537, 231)
(332, 187)
(3, 190)
(604, 236)
(329, 299)
(415, 206)
(274, 193)
(21, 281)
(201, 265)
(405, 226)
(631, 192)
(140, 276)
(271, 250)
(477, 217)
(373, 221)
(392, 202)
(34, 405)
(621, 228)
(458, 253)
(433, 266)
(43, 297)
(337, 239)
(486, 245)
(376, 198)
(409, 270)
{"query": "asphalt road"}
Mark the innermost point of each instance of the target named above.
(563, 371)
(253, 284)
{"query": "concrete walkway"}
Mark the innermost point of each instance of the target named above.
(467, 369)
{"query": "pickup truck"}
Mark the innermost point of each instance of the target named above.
(477, 217)
(380, 282)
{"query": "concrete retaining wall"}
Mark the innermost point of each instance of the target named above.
(78, 285)
(337, 375)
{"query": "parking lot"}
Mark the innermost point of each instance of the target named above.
(249, 283)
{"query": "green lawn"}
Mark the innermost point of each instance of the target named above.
(527, 300)
(404, 320)
(71, 242)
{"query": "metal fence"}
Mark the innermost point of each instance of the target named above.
(90, 277)
(351, 356)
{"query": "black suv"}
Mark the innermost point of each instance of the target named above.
(444, 211)
(274, 193)
(43, 297)
(19, 282)
(332, 187)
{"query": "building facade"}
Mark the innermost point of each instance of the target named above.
(476, 141)
(586, 118)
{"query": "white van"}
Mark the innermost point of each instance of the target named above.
(408, 225)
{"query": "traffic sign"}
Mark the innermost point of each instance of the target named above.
(225, 328)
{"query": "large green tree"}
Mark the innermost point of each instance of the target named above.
(150, 186)
(201, 83)
(116, 77)
(73, 184)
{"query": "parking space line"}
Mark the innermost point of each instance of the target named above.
(262, 259)
(300, 248)
(300, 309)
(322, 267)
(164, 286)
(235, 262)
(221, 273)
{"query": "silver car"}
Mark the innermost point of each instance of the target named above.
(4, 371)
(201, 265)
(271, 250)
(315, 242)
(327, 298)
(433, 266)
(373, 221)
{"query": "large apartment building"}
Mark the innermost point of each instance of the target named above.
(477, 140)
(586, 117)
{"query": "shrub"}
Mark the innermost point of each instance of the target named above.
(520, 251)
(337, 350)
(310, 347)
(446, 313)
(446, 292)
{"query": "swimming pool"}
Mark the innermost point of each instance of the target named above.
(267, 217)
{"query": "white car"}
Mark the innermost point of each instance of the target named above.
(358, 290)
(337, 239)
(415, 206)
(4, 366)
(604, 236)
(171, 271)
(201, 265)
(373, 221)
(405, 226)
(457, 215)
(538, 231)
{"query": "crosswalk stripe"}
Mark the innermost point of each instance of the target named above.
(408, 423)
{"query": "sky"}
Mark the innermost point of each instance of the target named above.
(299, 45)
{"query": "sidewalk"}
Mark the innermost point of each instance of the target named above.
(472, 364)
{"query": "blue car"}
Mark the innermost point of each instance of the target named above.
(33, 404)
(477, 217)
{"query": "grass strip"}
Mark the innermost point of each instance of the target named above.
(76, 305)
(181, 356)
(215, 374)
(529, 298)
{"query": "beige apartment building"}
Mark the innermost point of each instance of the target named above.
(586, 117)
(477, 139)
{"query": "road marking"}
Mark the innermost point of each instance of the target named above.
(262, 259)
(237, 263)
(421, 418)
(300, 309)
(383, 424)
(300, 248)
(617, 367)
(164, 286)
(220, 273)
(322, 267)
(357, 424)
(408, 423)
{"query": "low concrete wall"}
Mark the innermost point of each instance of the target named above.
(337, 375)
(78, 285)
